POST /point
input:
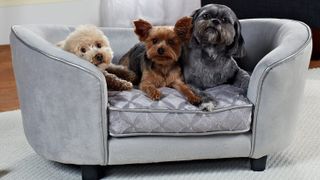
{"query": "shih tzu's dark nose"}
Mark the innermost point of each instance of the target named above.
(215, 21)
(99, 57)
(160, 51)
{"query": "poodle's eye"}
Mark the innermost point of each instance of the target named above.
(83, 49)
(98, 45)
(155, 41)
(171, 41)
(206, 16)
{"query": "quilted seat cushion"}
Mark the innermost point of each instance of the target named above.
(131, 113)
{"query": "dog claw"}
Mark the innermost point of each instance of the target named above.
(155, 95)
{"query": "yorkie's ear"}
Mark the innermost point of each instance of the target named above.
(142, 28)
(183, 28)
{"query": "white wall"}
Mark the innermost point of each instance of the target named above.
(72, 12)
(159, 12)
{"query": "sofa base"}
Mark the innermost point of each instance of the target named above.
(258, 164)
(95, 172)
(92, 172)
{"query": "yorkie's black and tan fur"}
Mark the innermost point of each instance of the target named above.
(155, 60)
(89, 43)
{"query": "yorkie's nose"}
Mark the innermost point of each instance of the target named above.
(160, 51)
(99, 57)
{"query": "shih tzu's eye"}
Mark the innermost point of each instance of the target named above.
(224, 20)
(171, 41)
(155, 41)
(83, 50)
(98, 45)
(206, 16)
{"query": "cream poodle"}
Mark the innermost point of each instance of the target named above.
(89, 43)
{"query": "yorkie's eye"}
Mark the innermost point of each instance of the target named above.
(171, 42)
(98, 45)
(154, 41)
(205, 16)
(83, 49)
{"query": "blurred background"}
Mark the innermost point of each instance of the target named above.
(111, 13)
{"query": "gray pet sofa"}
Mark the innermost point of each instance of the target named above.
(69, 116)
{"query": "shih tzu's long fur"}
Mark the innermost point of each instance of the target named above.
(209, 57)
(90, 44)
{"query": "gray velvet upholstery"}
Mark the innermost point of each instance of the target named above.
(132, 113)
(63, 99)
(58, 123)
(148, 149)
(277, 81)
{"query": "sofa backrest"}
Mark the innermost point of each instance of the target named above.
(261, 37)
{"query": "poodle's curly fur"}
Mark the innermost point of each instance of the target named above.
(89, 43)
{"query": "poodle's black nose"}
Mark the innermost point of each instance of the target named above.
(160, 51)
(99, 57)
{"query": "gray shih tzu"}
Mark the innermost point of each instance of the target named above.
(209, 58)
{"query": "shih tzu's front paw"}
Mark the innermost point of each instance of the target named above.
(208, 106)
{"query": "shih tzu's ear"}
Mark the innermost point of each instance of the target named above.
(183, 28)
(236, 49)
(195, 15)
(142, 28)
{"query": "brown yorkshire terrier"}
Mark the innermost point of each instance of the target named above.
(155, 60)
(90, 44)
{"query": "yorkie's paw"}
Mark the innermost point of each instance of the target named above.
(154, 94)
(195, 100)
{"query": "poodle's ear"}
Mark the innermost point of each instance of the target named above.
(61, 44)
(142, 29)
(236, 49)
(183, 28)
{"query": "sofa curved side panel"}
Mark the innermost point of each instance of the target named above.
(278, 103)
(63, 106)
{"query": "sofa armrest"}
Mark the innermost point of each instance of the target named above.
(276, 87)
(63, 101)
